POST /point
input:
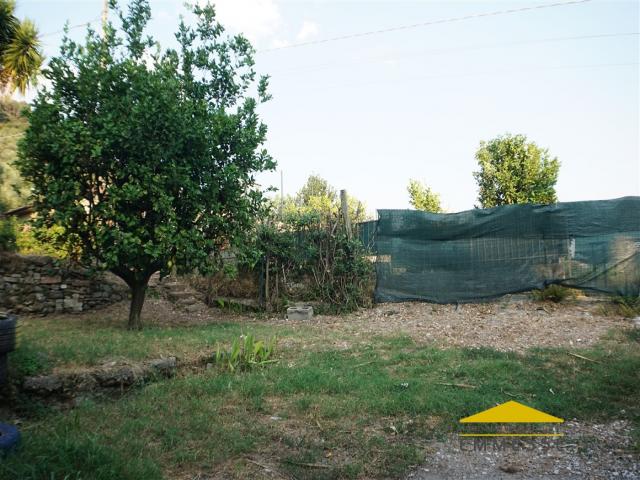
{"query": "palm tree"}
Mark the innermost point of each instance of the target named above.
(8, 22)
(20, 53)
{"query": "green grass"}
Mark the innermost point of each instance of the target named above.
(44, 343)
(363, 412)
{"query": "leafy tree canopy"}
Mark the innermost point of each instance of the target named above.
(422, 197)
(20, 50)
(513, 170)
(147, 157)
(317, 197)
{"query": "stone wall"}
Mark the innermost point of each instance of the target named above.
(41, 285)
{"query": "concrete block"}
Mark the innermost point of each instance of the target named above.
(301, 312)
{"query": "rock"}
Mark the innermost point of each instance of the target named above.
(117, 377)
(45, 384)
(50, 280)
(166, 366)
(192, 308)
(85, 382)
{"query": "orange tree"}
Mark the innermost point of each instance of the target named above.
(147, 157)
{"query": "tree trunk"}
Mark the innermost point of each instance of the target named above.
(138, 292)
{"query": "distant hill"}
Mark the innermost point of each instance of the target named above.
(13, 190)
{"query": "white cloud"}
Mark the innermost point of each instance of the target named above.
(307, 31)
(253, 18)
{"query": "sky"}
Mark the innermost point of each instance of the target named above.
(372, 111)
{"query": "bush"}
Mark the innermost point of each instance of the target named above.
(25, 239)
(7, 235)
(553, 293)
(302, 253)
(627, 306)
(308, 255)
(45, 241)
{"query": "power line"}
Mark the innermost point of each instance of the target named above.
(313, 68)
(71, 27)
(425, 24)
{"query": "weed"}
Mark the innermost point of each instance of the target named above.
(246, 353)
(627, 306)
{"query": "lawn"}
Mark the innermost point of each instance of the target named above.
(324, 410)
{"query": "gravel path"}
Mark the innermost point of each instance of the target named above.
(594, 452)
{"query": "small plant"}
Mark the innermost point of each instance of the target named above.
(627, 305)
(246, 352)
(553, 293)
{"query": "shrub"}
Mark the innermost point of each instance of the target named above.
(300, 251)
(7, 235)
(313, 250)
(47, 241)
(553, 293)
(627, 305)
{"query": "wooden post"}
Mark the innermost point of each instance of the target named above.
(345, 213)
(105, 17)
(267, 303)
(281, 195)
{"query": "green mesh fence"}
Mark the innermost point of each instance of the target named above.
(477, 254)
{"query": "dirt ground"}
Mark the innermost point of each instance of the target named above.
(513, 323)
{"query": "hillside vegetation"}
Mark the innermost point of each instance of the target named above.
(13, 189)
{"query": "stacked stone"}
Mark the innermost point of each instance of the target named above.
(42, 285)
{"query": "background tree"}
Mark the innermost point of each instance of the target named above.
(513, 170)
(315, 187)
(421, 197)
(20, 52)
(145, 157)
(320, 198)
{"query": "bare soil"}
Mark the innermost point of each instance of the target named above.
(509, 324)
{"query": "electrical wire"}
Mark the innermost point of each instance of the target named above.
(425, 24)
(71, 27)
(472, 74)
(363, 60)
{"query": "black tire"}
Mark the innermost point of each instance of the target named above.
(9, 437)
(7, 333)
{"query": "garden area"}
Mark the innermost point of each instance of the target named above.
(372, 394)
